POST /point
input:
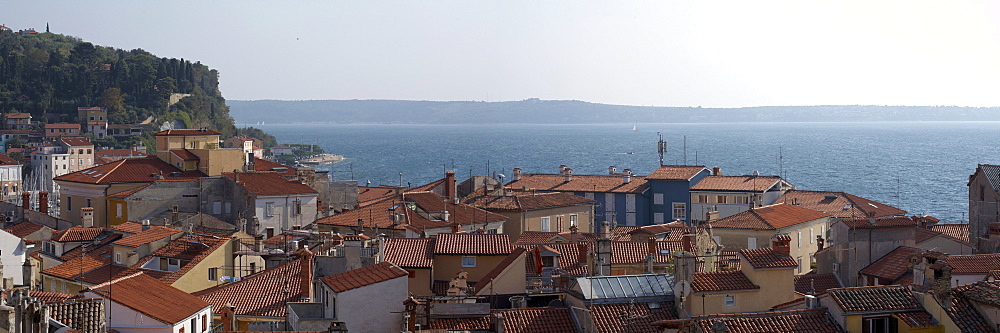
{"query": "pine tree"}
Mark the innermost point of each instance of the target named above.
(46, 26)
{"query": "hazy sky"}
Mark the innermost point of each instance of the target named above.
(665, 53)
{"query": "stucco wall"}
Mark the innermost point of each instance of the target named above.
(374, 308)
(196, 278)
(446, 266)
(12, 254)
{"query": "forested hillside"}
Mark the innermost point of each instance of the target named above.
(50, 75)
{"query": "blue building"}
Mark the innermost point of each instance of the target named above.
(624, 198)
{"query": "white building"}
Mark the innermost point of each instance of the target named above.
(729, 195)
(367, 299)
(139, 303)
(72, 154)
(10, 178)
(12, 255)
(275, 202)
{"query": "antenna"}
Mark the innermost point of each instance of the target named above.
(661, 147)
(781, 165)
(685, 150)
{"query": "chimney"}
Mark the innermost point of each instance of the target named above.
(456, 228)
(626, 178)
(562, 169)
(28, 274)
(602, 262)
(687, 243)
(228, 318)
(918, 267)
(26, 200)
(712, 216)
(684, 267)
(612, 170)
(942, 283)
(145, 225)
(43, 202)
(87, 216)
(517, 174)
(650, 254)
(717, 171)
(780, 243)
(449, 185)
(568, 174)
(583, 252)
(500, 323)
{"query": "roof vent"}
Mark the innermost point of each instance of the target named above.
(830, 197)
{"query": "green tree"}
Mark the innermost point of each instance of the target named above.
(112, 100)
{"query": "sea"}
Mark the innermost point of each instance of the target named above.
(922, 167)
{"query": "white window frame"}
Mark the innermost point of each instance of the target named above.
(657, 198)
(574, 219)
(269, 209)
(730, 300)
(682, 212)
(751, 243)
(798, 239)
(812, 236)
(545, 224)
(468, 261)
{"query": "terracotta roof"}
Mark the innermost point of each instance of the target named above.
(72, 268)
(481, 323)
(82, 315)
(580, 183)
(75, 141)
(815, 283)
(722, 281)
(7, 160)
(410, 252)
(630, 317)
(268, 183)
(147, 236)
(129, 170)
(839, 204)
(769, 217)
(959, 231)
(545, 319)
(794, 321)
(916, 318)
(127, 227)
(151, 297)
(48, 296)
(974, 263)
(459, 213)
(472, 244)
(500, 267)
(629, 252)
(187, 132)
(24, 228)
(568, 259)
(103, 274)
(767, 258)
(676, 172)
(127, 193)
(265, 293)
(184, 155)
(894, 265)
(881, 298)
(547, 237)
(101, 250)
(369, 194)
(265, 165)
(963, 313)
(924, 234)
(882, 222)
(736, 183)
(76, 234)
(119, 153)
(193, 248)
(382, 219)
(525, 201)
(17, 115)
(365, 276)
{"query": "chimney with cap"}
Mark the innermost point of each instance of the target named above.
(717, 171)
(517, 174)
(87, 216)
(612, 170)
(43, 202)
(26, 200)
(562, 169)
(781, 244)
(627, 176)
(569, 174)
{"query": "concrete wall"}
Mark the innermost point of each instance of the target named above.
(189, 196)
(946, 245)
(373, 308)
(803, 244)
(854, 249)
(984, 206)
(738, 239)
(196, 278)
(284, 217)
(705, 303)
(12, 256)
(446, 266)
(510, 281)
(776, 285)
(421, 282)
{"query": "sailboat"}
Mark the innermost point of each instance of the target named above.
(633, 127)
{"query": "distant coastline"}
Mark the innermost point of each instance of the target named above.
(534, 111)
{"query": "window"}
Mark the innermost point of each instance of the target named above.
(213, 274)
(680, 211)
(298, 207)
(269, 209)
(118, 258)
(730, 300)
(630, 202)
(799, 260)
(217, 207)
(798, 239)
(721, 199)
(751, 243)
(194, 324)
(204, 323)
(812, 237)
(741, 199)
(574, 219)
(545, 223)
(468, 261)
(822, 231)
(630, 218)
(657, 198)
(559, 223)
(88, 202)
(658, 218)
(609, 202)
(69, 203)
(879, 325)
(118, 209)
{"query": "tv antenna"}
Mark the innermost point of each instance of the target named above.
(661, 147)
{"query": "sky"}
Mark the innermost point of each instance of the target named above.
(662, 53)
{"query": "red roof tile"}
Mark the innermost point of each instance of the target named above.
(722, 281)
(815, 283)
(181, 132)
(676, 172)
(767, 258)
(126, 193)
(839, 204)
(736, 183)
(794, 321)
(924, 234)
(963, 313)
(974, 263)
(127, 227)
(369, 194)
(959, 231)
(151, 297)
(24, 228)
(459, 213)
(357, 278)
(916, 318)
(630, 317)
(629, 252)
(281, 169)
(17, 115)
(76, 234)
(546, 319)
(519, 201)
(71, 268)
(266, 293)
(268, 183)
(129, 170)
(881, 298)
(145, 237)
(7, 160)
(482, 323)
(568, 259)
(882, 222)
(382, 219)
(472, 244)
(579, 183)
(193, 248)
(769, 217)
(547, 237)
(75, 141)
(184, 155)
(894, 265)
(410, 252)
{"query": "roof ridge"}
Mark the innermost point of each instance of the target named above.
(120, 163)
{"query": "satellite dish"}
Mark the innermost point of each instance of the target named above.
(683, 287)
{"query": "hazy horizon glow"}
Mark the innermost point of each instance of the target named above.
(663, 53)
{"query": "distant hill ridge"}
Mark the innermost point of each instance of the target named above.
(536, 111)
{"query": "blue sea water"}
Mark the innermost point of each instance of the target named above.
(922, 167)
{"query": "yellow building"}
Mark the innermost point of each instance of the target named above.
(754, 228)
(198, 150)
(883, 309)
(765, 279)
